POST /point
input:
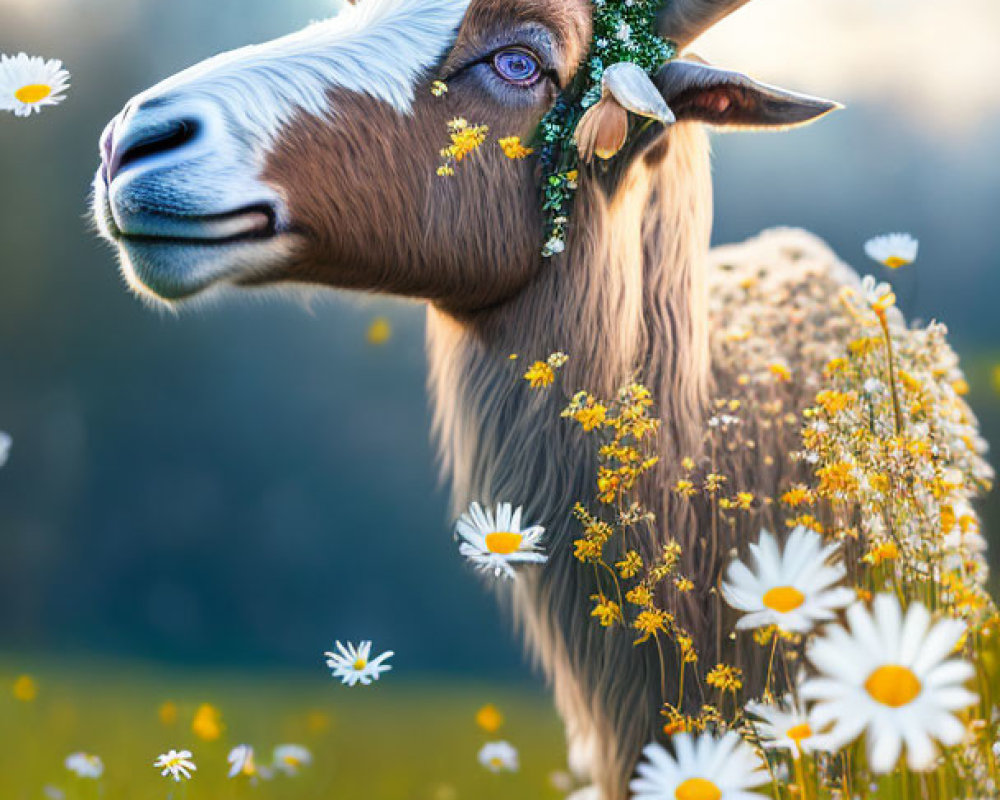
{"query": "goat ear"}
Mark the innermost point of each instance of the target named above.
(698, 91)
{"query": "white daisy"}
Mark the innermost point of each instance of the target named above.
(894, 250)
(793, 589)
(890, 677)
(787, 727)
(84, 765)
(703, 768)
(290, 758)
(499, 757)
(241, 762)
(177, 764)
(354, 665)
(27, 83)
(498, 543)
(5, 443)
(878, 295)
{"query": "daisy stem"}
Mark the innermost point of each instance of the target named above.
(800, 775)
(770, 663)
(663, 669)
(892, 373)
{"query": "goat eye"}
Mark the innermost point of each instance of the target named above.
(517, 66)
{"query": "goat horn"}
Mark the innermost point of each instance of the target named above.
(683, 21)
(635, 91)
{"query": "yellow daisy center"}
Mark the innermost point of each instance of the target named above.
(893, 685)
(895, 262)
(33, 92)
(799, 733)
(697, 789)
(783, 599)
(496, 762)
(502, 543)
(360, 664)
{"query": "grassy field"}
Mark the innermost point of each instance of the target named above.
(392, 741)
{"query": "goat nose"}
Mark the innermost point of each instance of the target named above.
(147, 136)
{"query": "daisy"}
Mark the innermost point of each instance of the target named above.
(27, 83)
(5, 442)
(241, 762)
(84, 765)
(289, 758)
(704, 768)
(890, 677)
(878, 295)
(354, 664)
(499, 757)
(894, 250)
(498, 543)
(787, 727)
(177, 764)
(792, 589)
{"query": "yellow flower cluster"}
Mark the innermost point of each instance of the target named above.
(465, 140)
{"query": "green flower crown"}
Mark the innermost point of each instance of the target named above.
(624, 31)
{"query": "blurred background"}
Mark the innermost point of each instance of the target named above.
(243, 484)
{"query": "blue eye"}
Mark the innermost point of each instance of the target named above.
(517, 66)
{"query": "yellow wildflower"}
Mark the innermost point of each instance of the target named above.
(881, 551)
(837, 479)
(588, 550)
(961, 387)
(512, 147)
(685, 488)
(686, 645)
(591, 417)
(744, 500)
(207, 723)
(688, 463)
(725, 678)
(780, 371)
(640, 596)
(540, 375)
(465, 139)
(683, 585)
(630, 564)
(650, 622)
(713, 482)
(25, 689)
(607, 611)
(798, 495)
(439, 88)
(489, 718)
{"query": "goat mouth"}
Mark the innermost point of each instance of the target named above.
(252, 223)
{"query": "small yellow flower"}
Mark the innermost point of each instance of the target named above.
(780, 371)
(630, 564)
(650, 622)
(540, 375)
(439, 88)
(207, 723)
(683, 584)
(489, 718)
(961, 387)
(607, 611)
(639, 596)
(685, 488)
(379, 331)
(880, 552)
(798, 495)
(744, 500)
(25, 689)
(513, 149)
(591, 417)
(725, 678)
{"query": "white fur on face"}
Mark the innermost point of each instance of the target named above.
(377, 47)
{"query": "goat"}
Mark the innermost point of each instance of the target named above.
(311, 160)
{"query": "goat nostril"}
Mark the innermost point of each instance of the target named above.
(162, 140)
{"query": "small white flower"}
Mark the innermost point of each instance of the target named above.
(177, 764)
(499, 757)
(5, 443)
(878, 295)
(873, 386)
(890, 676)
(497, 543)
(354, 665)
(793, 589)
(27, 83)
(787, 728)
(723, 768)
(290, 758)
(241, 761)
(554, 246)
(84, 765)
(894, 250)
